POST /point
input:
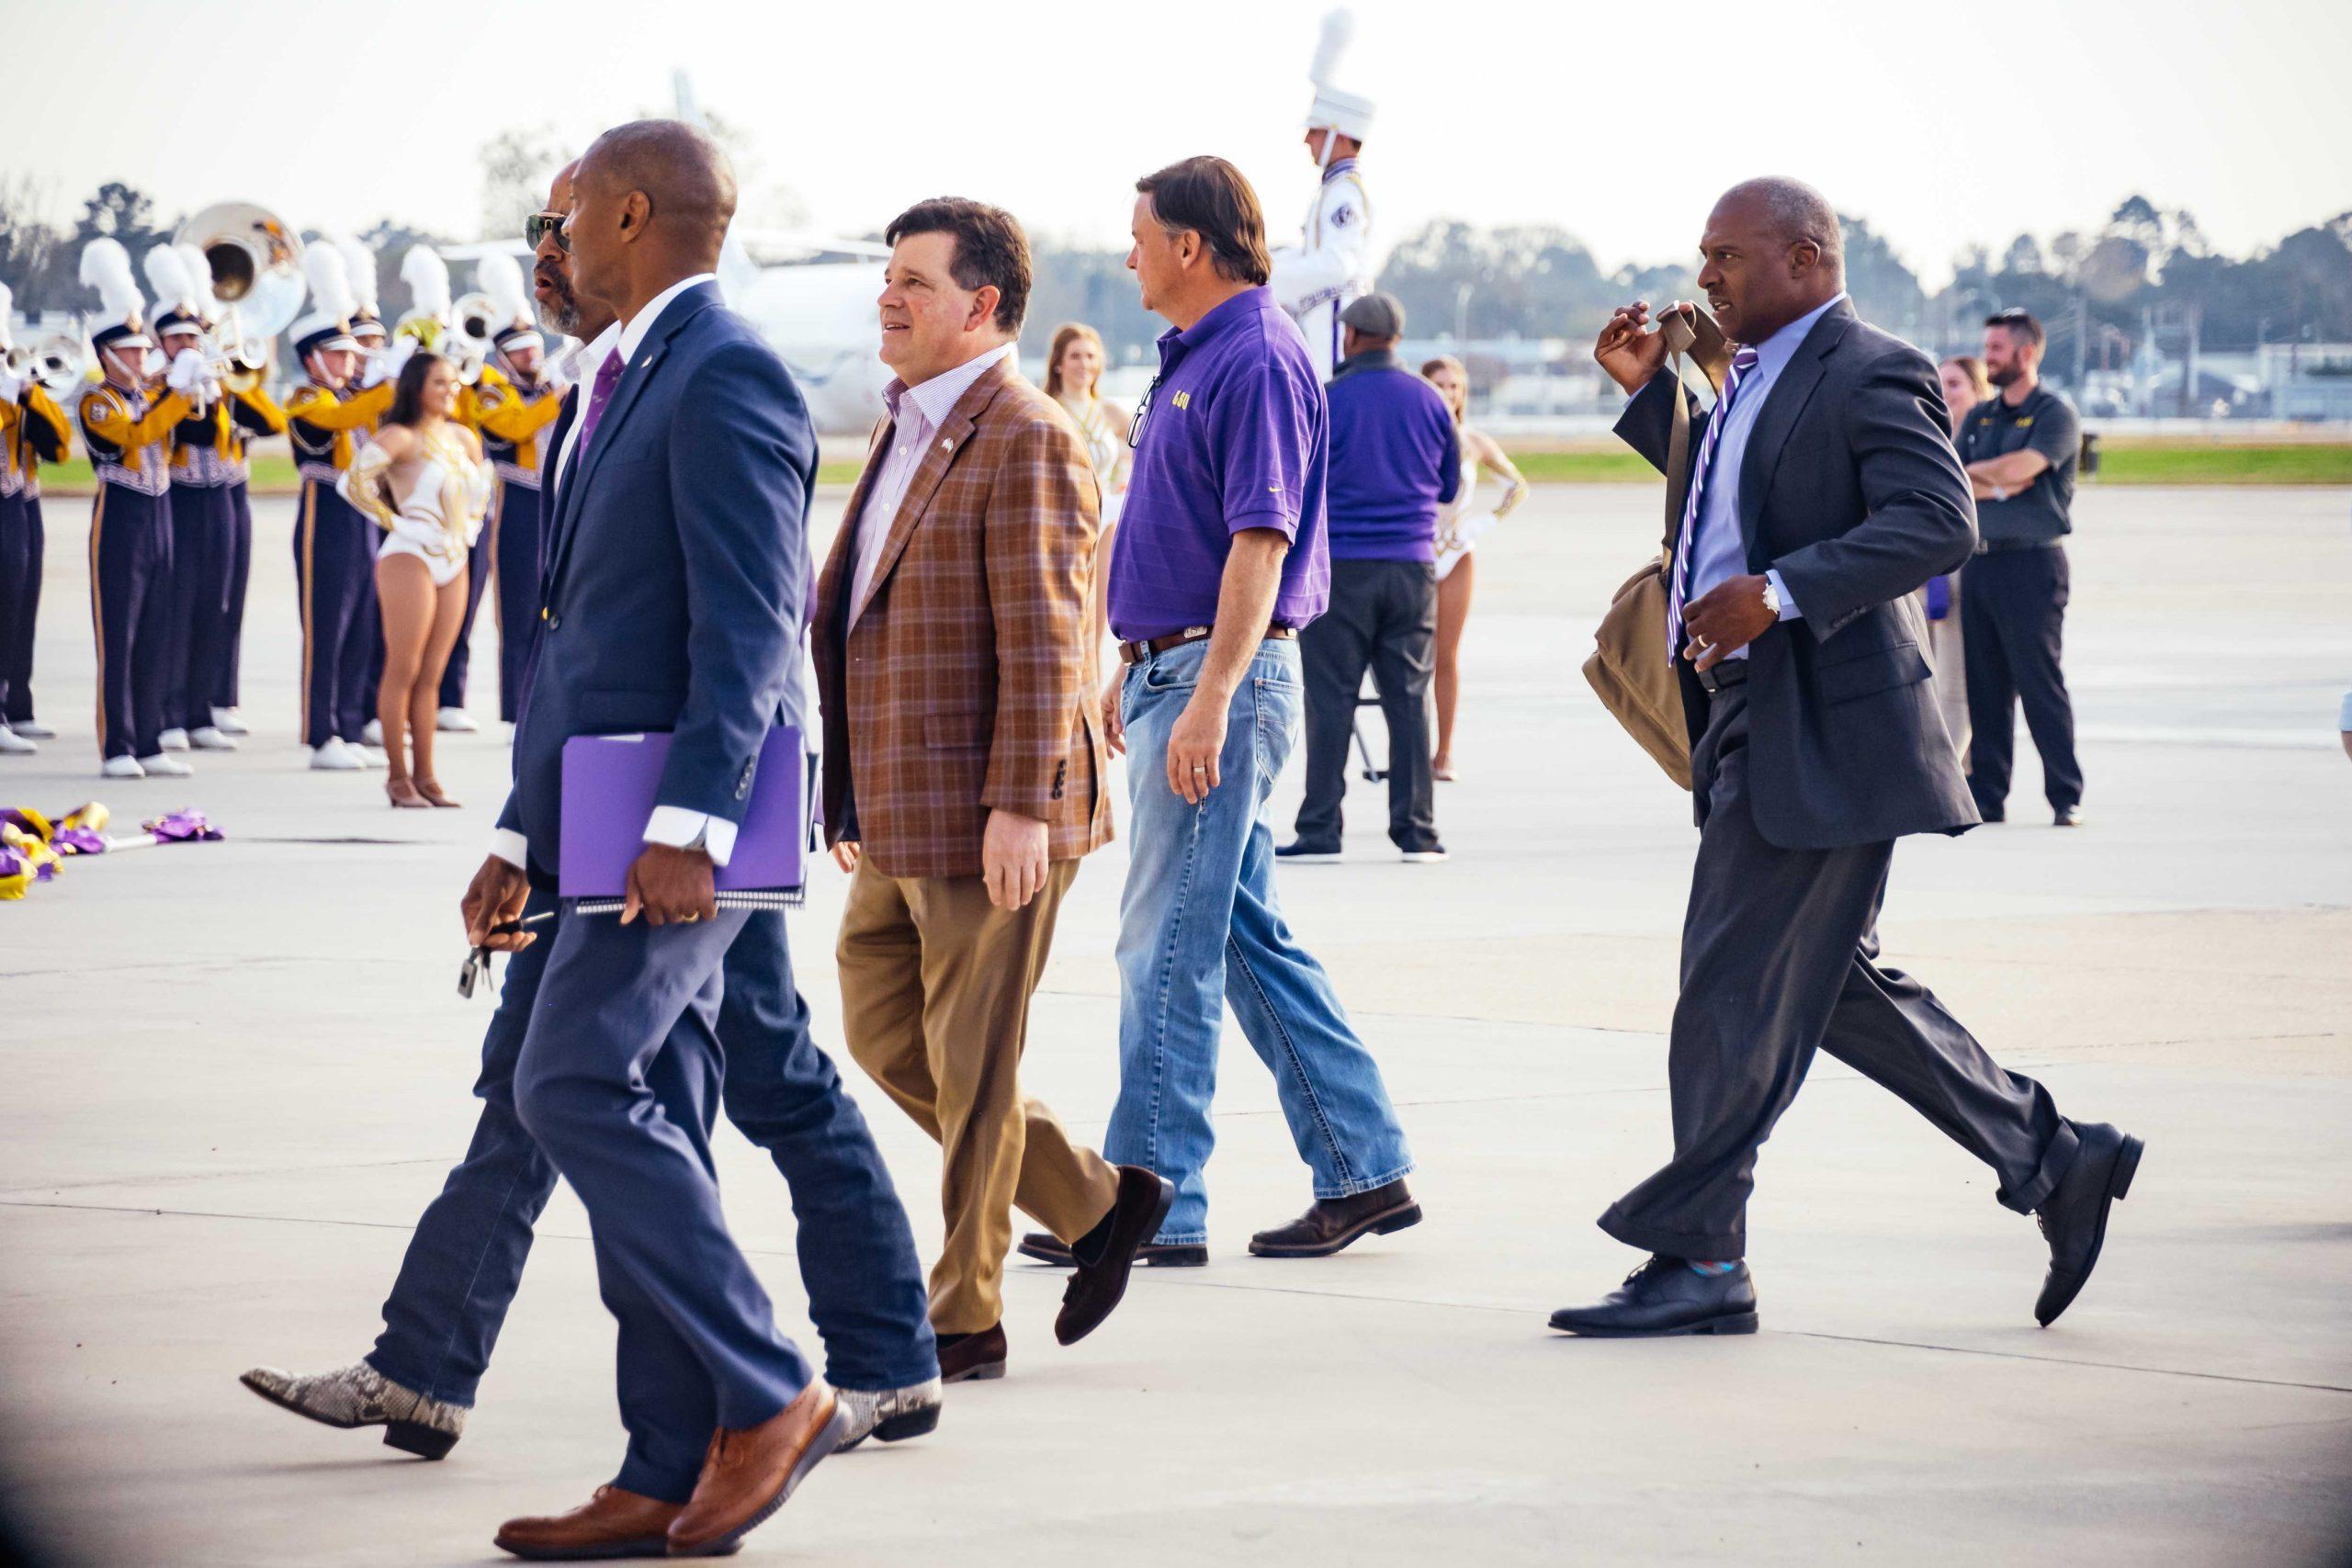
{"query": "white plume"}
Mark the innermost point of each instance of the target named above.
(499, 275)
(167, 276)
(360, 259)
(7, 307)
(427, 276)
(105, 266)
(330, 278)
(1339, 30)
(199, 273)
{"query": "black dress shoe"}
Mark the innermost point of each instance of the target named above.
(1048, 1248)
(1301, 853)
(1331, 1224)
(2074, 1217)
(1095, 1288)
(2067, 817)
(972, 1358)
(1666, 1296)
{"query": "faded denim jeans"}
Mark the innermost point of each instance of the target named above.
(1199, 927)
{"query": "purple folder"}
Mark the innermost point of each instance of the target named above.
(610, 782)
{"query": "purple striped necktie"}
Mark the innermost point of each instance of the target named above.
(608, 376)
(1685, 540)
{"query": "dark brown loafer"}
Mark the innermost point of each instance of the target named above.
(1048, 1248)
(1095, 1288)
(972, 1358)
(1332, 1222)
(613, 1523)
(748, 1475)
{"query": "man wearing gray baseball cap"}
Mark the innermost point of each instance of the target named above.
(1396, 459)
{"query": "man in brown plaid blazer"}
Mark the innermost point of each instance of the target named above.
(964, 766)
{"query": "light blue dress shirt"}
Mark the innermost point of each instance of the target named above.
(1718, 554)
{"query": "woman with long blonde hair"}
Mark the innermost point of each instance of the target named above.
(1458, 527)
(423, 481)
(1074, 379)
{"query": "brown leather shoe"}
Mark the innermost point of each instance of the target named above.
(1332, 1224)
(1095, 1288)
(613, 1523)
(747, 1474)
(972, 1358)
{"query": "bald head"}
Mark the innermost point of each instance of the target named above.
(1771, 253)
(652, 201)
(1795, 213)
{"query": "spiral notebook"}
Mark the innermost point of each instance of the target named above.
(610, 787)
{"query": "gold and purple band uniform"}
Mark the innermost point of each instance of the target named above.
(335, 559)
(128, 437)
(252, 413)
(513, 420)
(38, 432)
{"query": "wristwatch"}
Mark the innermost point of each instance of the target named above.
(1771, 598)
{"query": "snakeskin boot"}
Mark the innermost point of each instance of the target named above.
(359, 1395)
(891, 1415)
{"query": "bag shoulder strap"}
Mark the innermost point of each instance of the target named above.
(1690, 334)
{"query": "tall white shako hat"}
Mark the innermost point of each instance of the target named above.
(328, 326)
(499, 275)
(359, 265)
(179, 305)
(121, 321)
(1350, 114)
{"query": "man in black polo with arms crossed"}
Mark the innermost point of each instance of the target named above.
(1823, 495)
(2021, 449)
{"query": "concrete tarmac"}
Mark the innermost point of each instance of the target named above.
(235, 1073)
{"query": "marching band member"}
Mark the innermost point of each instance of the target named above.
(376, 367)
(127, 428)
(1331, 265)
(335, 545)
(33, 431)
(512, 407)
(252, 412)
(203, 525)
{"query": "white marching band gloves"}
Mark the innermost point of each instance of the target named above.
(187, 373)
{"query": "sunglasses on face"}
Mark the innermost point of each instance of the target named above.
(538, 226)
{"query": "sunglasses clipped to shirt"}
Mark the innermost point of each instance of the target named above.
(539, 225)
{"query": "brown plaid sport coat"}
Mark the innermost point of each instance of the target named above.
(966, 685)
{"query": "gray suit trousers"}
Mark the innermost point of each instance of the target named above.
(1779, 950)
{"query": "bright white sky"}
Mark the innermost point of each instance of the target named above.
(1493, 110)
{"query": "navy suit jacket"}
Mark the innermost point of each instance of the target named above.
(675, 572)
(1851, 492)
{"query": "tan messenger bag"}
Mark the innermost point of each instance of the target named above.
(1630, 666)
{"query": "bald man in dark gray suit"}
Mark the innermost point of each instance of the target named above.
(1824, 492)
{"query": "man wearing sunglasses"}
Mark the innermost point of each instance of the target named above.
(465, 1263)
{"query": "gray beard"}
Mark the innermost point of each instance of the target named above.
(561, 319)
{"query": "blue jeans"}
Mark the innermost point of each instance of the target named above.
(857, 1255)
(1199, 926)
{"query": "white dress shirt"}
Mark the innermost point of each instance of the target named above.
(672, 825)
(578, 368)
(915, 414)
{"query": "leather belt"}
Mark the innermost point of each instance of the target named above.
(1730, 673)
(1136, 653)
(2010, 546)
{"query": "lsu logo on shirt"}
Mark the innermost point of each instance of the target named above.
(1182, 400)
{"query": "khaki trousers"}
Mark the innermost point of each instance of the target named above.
(935, 987)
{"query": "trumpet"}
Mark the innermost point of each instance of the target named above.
(58, 362)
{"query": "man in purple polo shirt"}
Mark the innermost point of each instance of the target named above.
(1218, 560)
(1396, 459)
